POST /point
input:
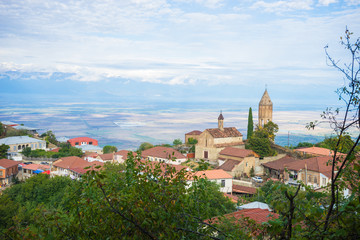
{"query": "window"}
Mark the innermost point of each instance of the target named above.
(324, 181)
(1, 173)
(77, 143)
(222, 183)
(309, 178)
(206, 154)
(315, 179)
(19, 147)
(14, 148)
(90, 143)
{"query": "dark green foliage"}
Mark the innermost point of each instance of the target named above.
(109, 149)
(26, 151)
(250, 127)
(50, 138)
(252, 172)
(3, 150)
(177, 142)
(192, 141)
(145, 146)
(2, 130)
(304, 144)
(262, 146)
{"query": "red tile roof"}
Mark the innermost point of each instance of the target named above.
(318, 151)
(162, 152)
(71, 162)
(229, 165)
(237, 152)
(213, 174)
(258, 215)
(93, 166)
(107, 156)
(7, 163)
(83, 139)
(233, 198)
(36, 167)
(280, 163)
(316, 164)
(228, 132)
(55, 150)
(124, 153)
(243, 189)
(195, 132)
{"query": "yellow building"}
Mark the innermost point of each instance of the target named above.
(211, 141)
(265, 109)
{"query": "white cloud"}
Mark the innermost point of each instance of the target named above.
(284, 6)
(352, 2)
(326, 2)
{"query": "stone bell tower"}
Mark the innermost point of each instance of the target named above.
(221, 122)
(265, 109)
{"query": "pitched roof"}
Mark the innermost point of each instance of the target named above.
(19, 140)
(36, 166)
(71, 162)
(319, 151)
(258, 215)
(221, 117)
(124, 153)
(213, 174)
(228, 132)
(237, 152)
(233, 198)
(229, 144)
(229, 165)
(243, 189)
(7, 163)
(195, 132)
(280, 163)
(107, 156)
(265, 99)
(316, 164)
(93, 166)
(162, 152)
(83, 139)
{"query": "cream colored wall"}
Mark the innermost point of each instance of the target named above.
(227, 140)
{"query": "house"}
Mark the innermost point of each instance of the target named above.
(315, 172)
(193, 134)
(237, 161)
(317, 152)
(65, 166)
(211, 141)
(90, 148)
(122, 155)
(18, 143)
(107, 157)
(8, 170)
(217, 175)
(29, 170)
(164, 154)
(276, 168)
(80, 141)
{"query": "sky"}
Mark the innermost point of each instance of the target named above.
(174, 51)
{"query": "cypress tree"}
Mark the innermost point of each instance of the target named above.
(250, 128)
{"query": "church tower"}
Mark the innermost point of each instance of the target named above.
(265, 109)
(221, 122)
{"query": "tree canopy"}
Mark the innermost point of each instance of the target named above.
(144, 146)
(250, 126)
(109, 149)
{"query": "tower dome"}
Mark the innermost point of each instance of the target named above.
(265, 109)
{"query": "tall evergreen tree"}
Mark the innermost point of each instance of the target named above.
(250, 128)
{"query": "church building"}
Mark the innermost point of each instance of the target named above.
(211, 141)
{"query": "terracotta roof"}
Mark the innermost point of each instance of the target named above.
(280, 163)
(233, 198)
(237, 152)
(55, 150)
(124, 153)
(316, 164)
(243, 189)
(213, 174)
(162, 152)
(93, 166)
(71, 162)
(229, 165)
(36, 167)
(195, 132)
(7, 163)
(318, 151)
(91, 154)
(229, 144)
(258, 215)
(221, 117)
(228, 132)
(107, 156)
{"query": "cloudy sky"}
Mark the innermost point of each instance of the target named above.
(181, 50)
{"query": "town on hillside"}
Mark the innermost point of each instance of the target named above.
(241, 169)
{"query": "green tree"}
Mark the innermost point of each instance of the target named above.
(261, 146)
(145, 146)
(192, 141)
(250, 127)
(3, 150)
(2, 130)
(177, 142)
(109, 149)
(26, 151)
